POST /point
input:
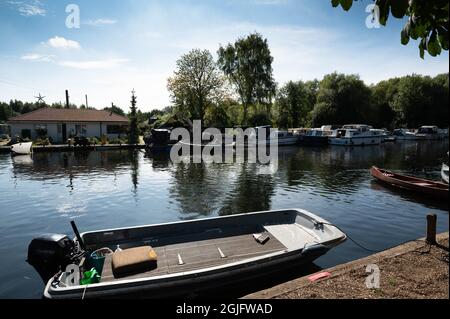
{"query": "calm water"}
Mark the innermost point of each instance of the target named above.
(125, 188)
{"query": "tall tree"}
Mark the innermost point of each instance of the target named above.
(134, 130)
(197, 82)
(294, 103)
(248, 65)
(428, 21)
(115, 109)
(342, 99)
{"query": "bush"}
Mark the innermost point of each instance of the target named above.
(42, 141)
(94, 140)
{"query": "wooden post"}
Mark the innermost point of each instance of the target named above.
(431, 228)
(67, 99)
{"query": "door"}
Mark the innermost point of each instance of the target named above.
(64, 132)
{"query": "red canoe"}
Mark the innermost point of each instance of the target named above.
(424, 186)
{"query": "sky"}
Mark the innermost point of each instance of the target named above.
(121, 45)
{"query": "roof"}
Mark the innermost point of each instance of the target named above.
(69, 115)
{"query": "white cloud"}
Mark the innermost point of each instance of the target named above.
(37, 57)
(62, 43)
(93, 64)
(100, 22)
(29, 8)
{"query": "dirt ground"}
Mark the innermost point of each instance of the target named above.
(422, 273)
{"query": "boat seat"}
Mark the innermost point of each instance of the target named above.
(133, 261)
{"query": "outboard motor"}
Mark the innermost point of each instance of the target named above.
(50, 253)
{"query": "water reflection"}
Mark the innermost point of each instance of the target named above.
(48, 166)
(251, 192)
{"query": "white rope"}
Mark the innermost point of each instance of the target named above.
(84, 292)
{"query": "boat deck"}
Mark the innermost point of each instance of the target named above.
(194, 255)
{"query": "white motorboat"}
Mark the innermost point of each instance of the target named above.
(187, 256)
(444, 173)
(404, 135)
(265, 134)
(22, 148)
(357, 135)
(430, 133)
(284, 138)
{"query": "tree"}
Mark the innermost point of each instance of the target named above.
(115, 109)
(248, 65)
(341, 99)
(428, 21)
(294, 101)
(422, 101)
(5, 112)
(134, 130)
(197, 82)
(383, 94)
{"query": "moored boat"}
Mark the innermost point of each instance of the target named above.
(22, 148)
(444, 173)
(356, 135)
(430, 133)
(404, 135)
(264, 134)
(186, 256)
(419, 185)
(316, 137)
(159, 141)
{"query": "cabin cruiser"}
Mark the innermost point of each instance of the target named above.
(167, 260)
(284, 138)
(159, 140)
(404, 135)
(357, 135)
(430, 133)
(316, 136)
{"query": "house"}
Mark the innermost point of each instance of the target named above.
(61, 124)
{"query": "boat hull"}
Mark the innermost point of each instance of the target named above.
(351, 141)
(418, 185)
(21, 148)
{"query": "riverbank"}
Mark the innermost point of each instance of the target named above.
(413, 270)
(67, 148)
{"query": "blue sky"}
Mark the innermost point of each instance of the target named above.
(126, 44)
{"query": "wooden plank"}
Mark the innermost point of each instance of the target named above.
(202, 254)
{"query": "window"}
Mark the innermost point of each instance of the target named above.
(41, 129)
(80, 130)
(116, 129)
(59, 128)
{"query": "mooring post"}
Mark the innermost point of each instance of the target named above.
(431, 228)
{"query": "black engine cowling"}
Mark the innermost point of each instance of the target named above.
(50, 253)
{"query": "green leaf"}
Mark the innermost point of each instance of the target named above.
(346, 4)
(383, 5)
(422, 49)
(405, 34)
(433, 46)
(335, 3)
(399, 8)
(443, 38)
